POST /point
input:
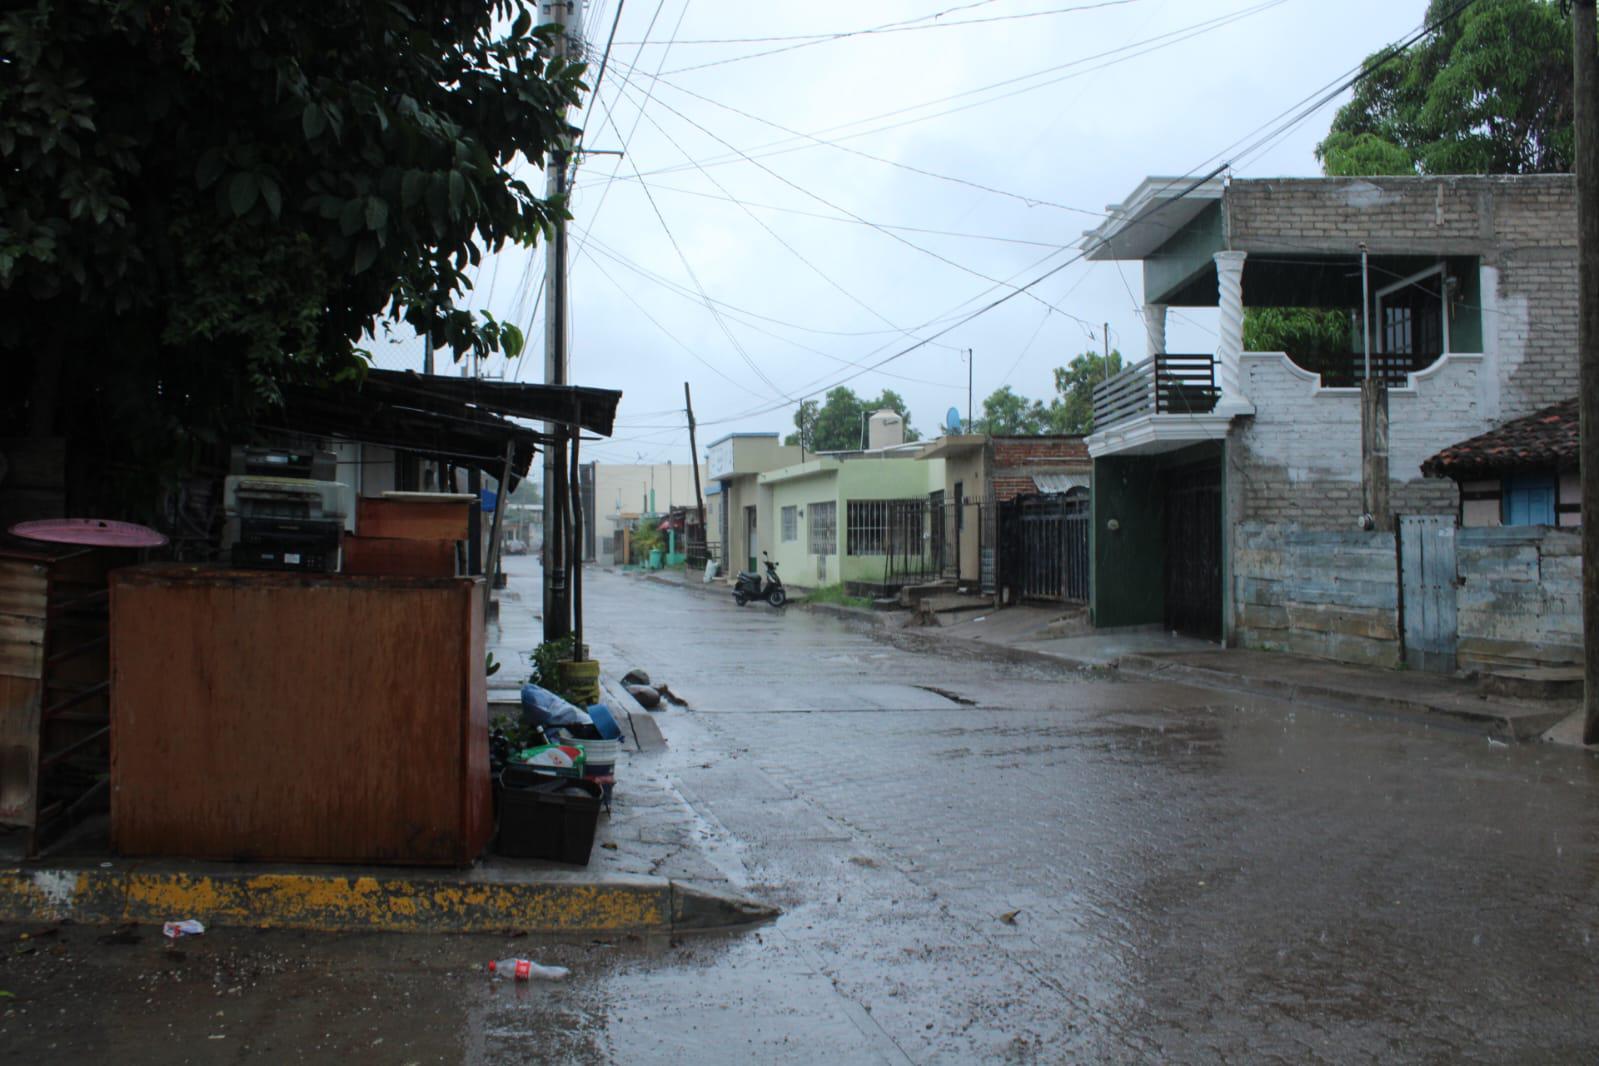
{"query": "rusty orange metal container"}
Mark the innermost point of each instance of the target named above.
(298, 717)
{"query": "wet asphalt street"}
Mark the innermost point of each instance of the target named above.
(978, 862)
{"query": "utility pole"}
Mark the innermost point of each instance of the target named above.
(694, 457)
(557, 595)
(1373, 421)
(1585, 75)
(971, 413)
(1107, 350)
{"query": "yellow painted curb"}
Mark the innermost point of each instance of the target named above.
(384, 902)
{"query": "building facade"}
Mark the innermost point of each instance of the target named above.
(1228, 486)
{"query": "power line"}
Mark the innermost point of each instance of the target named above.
(927, 24)
(823, 200)
(788, 144)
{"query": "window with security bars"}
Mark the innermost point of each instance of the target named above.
(881, 527)
(824, 528)
(790, 524)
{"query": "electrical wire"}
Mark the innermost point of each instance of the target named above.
(1125, 52)
(892, 28)
(828, 203)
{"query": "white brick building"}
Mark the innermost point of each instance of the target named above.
(1468, 295)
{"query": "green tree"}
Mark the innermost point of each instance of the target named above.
(1006, 413)
(1486, 92)
(838, 424)
(1072, 409)
(200, 201)
(1303, 332)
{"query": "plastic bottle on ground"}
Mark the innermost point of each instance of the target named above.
(526, 970)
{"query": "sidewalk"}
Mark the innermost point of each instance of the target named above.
(1051, 634)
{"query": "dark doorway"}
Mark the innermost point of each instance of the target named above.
(1193, 550)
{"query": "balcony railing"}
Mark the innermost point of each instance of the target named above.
(1346, 370)
(1162, 384)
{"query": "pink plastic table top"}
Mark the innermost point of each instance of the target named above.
(93, 532)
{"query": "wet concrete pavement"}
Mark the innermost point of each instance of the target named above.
(978, 861)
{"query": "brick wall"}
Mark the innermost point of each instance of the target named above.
(1522, 228)
(1016, 451)
(1519, 602)
(1334, 595)
(1298, 459)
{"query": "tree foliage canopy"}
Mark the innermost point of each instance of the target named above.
(1486, 92)
(1009, 414)
(838, 423)
(1072, 410)
(201, 200)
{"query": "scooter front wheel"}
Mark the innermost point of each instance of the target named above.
(740, 599)
(777, 597)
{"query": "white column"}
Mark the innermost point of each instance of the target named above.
(1155, 328)
(1230, 286)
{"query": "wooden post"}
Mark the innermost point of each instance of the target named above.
(694, 457)
(575, 551)
(1374, 452)
(496, 530)
(1585, 53)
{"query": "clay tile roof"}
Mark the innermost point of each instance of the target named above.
(1542, 439)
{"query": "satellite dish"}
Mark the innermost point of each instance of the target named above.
(952, 420)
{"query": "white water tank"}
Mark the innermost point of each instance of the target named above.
(884, 430)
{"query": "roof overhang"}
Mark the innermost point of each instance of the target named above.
(463, 420)
(799, 470)
(1140, 224)
(956, 444)
(1154, 434)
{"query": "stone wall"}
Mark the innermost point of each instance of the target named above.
(1521, 228)
(1334, 595)
(1519, 600)
(1298, 458)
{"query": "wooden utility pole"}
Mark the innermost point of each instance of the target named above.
(1373, 421)
(1374, 453)
(694, 457)
(1585, 53)
(557, 593)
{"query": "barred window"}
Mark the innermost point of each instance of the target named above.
(790, 524)
(824, 527)
(879, 527)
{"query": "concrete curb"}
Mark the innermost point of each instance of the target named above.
(864, 615)
(1488, 720)
(371, 901)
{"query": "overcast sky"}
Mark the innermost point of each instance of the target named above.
(781, 220)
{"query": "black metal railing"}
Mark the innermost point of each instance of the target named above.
(1163, 384)
(1346, 370)
(922, 540)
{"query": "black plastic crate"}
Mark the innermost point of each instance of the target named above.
(548, 818)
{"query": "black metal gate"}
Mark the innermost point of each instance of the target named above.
(920, 540)
(1193, 550)
(1044, 541)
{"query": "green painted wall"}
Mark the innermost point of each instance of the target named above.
(1127, 579)
(829, 479)
(1465, 323)
(795, 563)
(880, 479)
(1127, 576)
(1189, 251)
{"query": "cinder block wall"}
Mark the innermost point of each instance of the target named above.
(1334, 595)
(1522, 227)
(1298, 458)
(1519, 600)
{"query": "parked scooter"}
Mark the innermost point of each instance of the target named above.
(747, 586)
